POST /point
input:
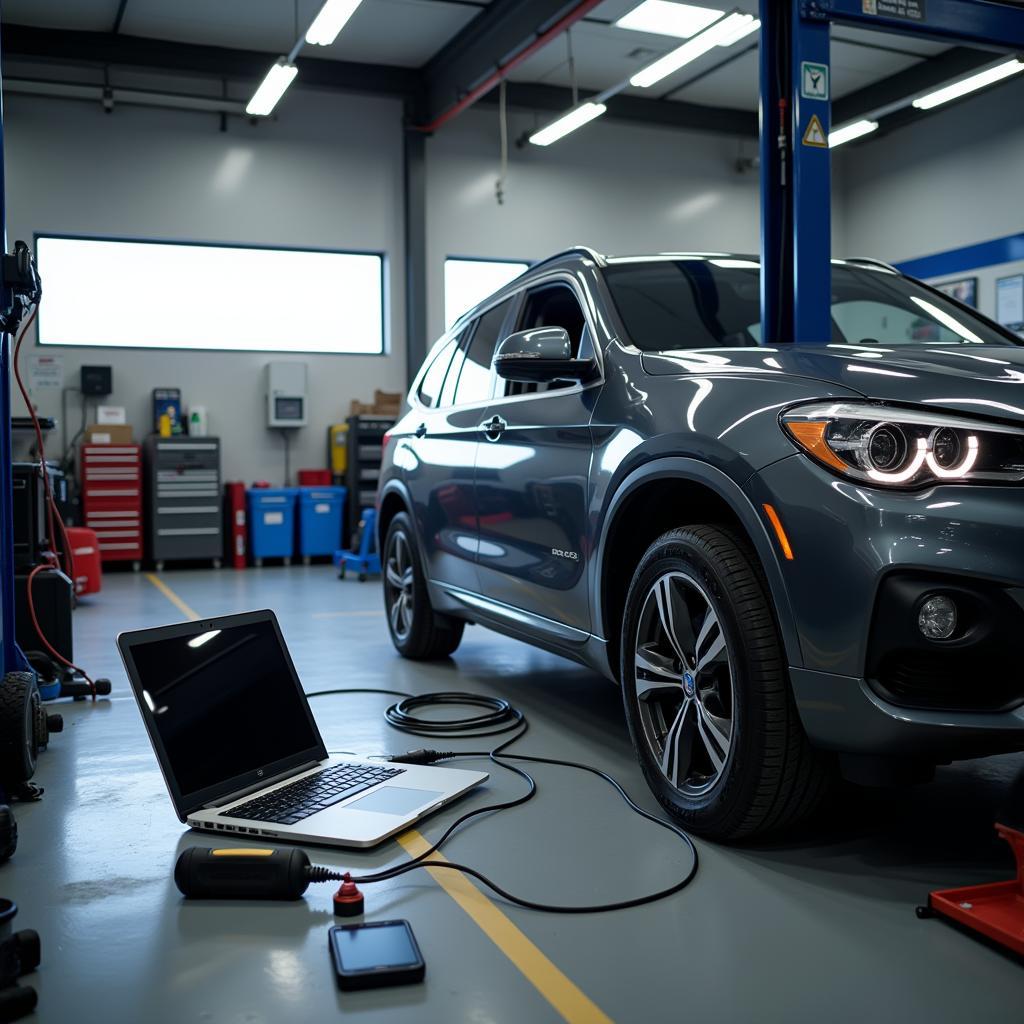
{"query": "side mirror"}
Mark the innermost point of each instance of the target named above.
(541, 355)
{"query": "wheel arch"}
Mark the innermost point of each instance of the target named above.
(672, 492)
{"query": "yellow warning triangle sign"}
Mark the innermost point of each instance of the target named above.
(814, 135)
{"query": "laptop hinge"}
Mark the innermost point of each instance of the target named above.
(262, 784)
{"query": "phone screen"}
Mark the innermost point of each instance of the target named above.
(365, 947)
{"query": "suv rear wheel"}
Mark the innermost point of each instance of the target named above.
(707, 697)
(417, 631)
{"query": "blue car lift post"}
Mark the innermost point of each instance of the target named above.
(796, 272)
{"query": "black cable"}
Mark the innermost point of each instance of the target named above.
(499, 716)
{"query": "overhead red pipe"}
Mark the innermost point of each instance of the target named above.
(566, 21)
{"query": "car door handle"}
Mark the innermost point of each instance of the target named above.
(421, 430)
(493, 428)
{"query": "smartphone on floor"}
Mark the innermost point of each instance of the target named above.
(375, 954)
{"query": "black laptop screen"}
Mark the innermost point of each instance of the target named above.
(224, 703)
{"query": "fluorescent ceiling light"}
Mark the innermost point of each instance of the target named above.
(330, 21)
(272, 88)
(961, 88)
(576, 118)
(717, 35)
(198, 641)
(742, 31)
(662, 17)
(849, 132)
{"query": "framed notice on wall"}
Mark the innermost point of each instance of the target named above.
(965, 290)
(1010, 301)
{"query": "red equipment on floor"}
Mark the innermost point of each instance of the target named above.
(236, 532)
(112, 499)
(86, 568)
(995, 910)
(315, 478)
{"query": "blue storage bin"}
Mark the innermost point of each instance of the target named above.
(271, 522)
(321, 511)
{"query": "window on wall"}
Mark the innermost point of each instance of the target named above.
(467, 282)
(121, 294)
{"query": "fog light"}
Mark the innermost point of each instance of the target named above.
(937, 617)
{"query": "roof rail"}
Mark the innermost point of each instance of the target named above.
(871, 261)
(573, 250)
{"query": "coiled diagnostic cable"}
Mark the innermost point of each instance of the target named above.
(497, 716)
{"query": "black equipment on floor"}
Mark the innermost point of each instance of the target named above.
(53, 596)
(30, 531)
(25, 728)
(19, 954)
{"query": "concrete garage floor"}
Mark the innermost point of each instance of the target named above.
(816, 926)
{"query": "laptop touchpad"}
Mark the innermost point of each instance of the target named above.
(394, 800)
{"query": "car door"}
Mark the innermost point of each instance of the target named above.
(532, 477)
(441, 451)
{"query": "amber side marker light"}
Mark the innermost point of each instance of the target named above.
(810, 435)
(773, 518)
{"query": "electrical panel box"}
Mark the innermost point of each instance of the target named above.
(286, 395)
(97, 381)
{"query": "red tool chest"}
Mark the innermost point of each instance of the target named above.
(112, 499)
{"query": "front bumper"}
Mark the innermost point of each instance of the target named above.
(848, 541)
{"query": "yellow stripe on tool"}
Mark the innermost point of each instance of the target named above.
(562, 993)
(171, 596)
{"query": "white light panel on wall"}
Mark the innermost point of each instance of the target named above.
(169, 295)
(467, 282)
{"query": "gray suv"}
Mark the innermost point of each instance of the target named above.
(797, 561)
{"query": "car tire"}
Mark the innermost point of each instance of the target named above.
(707, 696)
(417, 631)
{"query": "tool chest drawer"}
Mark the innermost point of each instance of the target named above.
(111, 479)
(184, 506)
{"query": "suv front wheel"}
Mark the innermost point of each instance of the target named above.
(417, 631)
(707, 697)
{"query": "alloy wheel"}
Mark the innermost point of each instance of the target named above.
(398, 584)
(684, 683)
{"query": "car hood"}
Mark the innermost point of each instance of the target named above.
(972, 379)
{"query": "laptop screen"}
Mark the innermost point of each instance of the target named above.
(223, 702)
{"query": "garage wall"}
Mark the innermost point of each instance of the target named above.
(950, 180)
(326, 174)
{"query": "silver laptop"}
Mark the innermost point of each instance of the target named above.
(241, 753)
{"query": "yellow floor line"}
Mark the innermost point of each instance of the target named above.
(560, 991)
(171, 596)
(565, 997)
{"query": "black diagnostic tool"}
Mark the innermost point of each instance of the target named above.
(375, 954)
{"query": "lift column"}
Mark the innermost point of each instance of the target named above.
(796, 228)
(10, 656)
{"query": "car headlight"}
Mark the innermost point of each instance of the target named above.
(892, 447)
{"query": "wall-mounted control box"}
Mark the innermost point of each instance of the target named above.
(286, 394)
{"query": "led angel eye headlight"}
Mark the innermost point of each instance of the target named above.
(906, 448)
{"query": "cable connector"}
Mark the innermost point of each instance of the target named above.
(422, 756)
(348, 900)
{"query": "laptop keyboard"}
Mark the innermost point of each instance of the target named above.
(289, 804)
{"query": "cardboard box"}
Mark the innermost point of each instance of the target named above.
(108, 433)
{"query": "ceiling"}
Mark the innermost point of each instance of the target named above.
(407, 33)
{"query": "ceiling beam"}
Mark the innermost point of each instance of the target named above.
(494, 38)
(638, 110)
(106, 48)
(913, 81)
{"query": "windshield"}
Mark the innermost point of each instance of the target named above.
(707, 303)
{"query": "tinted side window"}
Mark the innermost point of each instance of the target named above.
(430, 386)
(475, 379)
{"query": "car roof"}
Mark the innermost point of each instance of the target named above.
(584, 253)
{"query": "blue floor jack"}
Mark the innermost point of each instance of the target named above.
(364, 558)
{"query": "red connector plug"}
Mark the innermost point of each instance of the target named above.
(348, 900)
